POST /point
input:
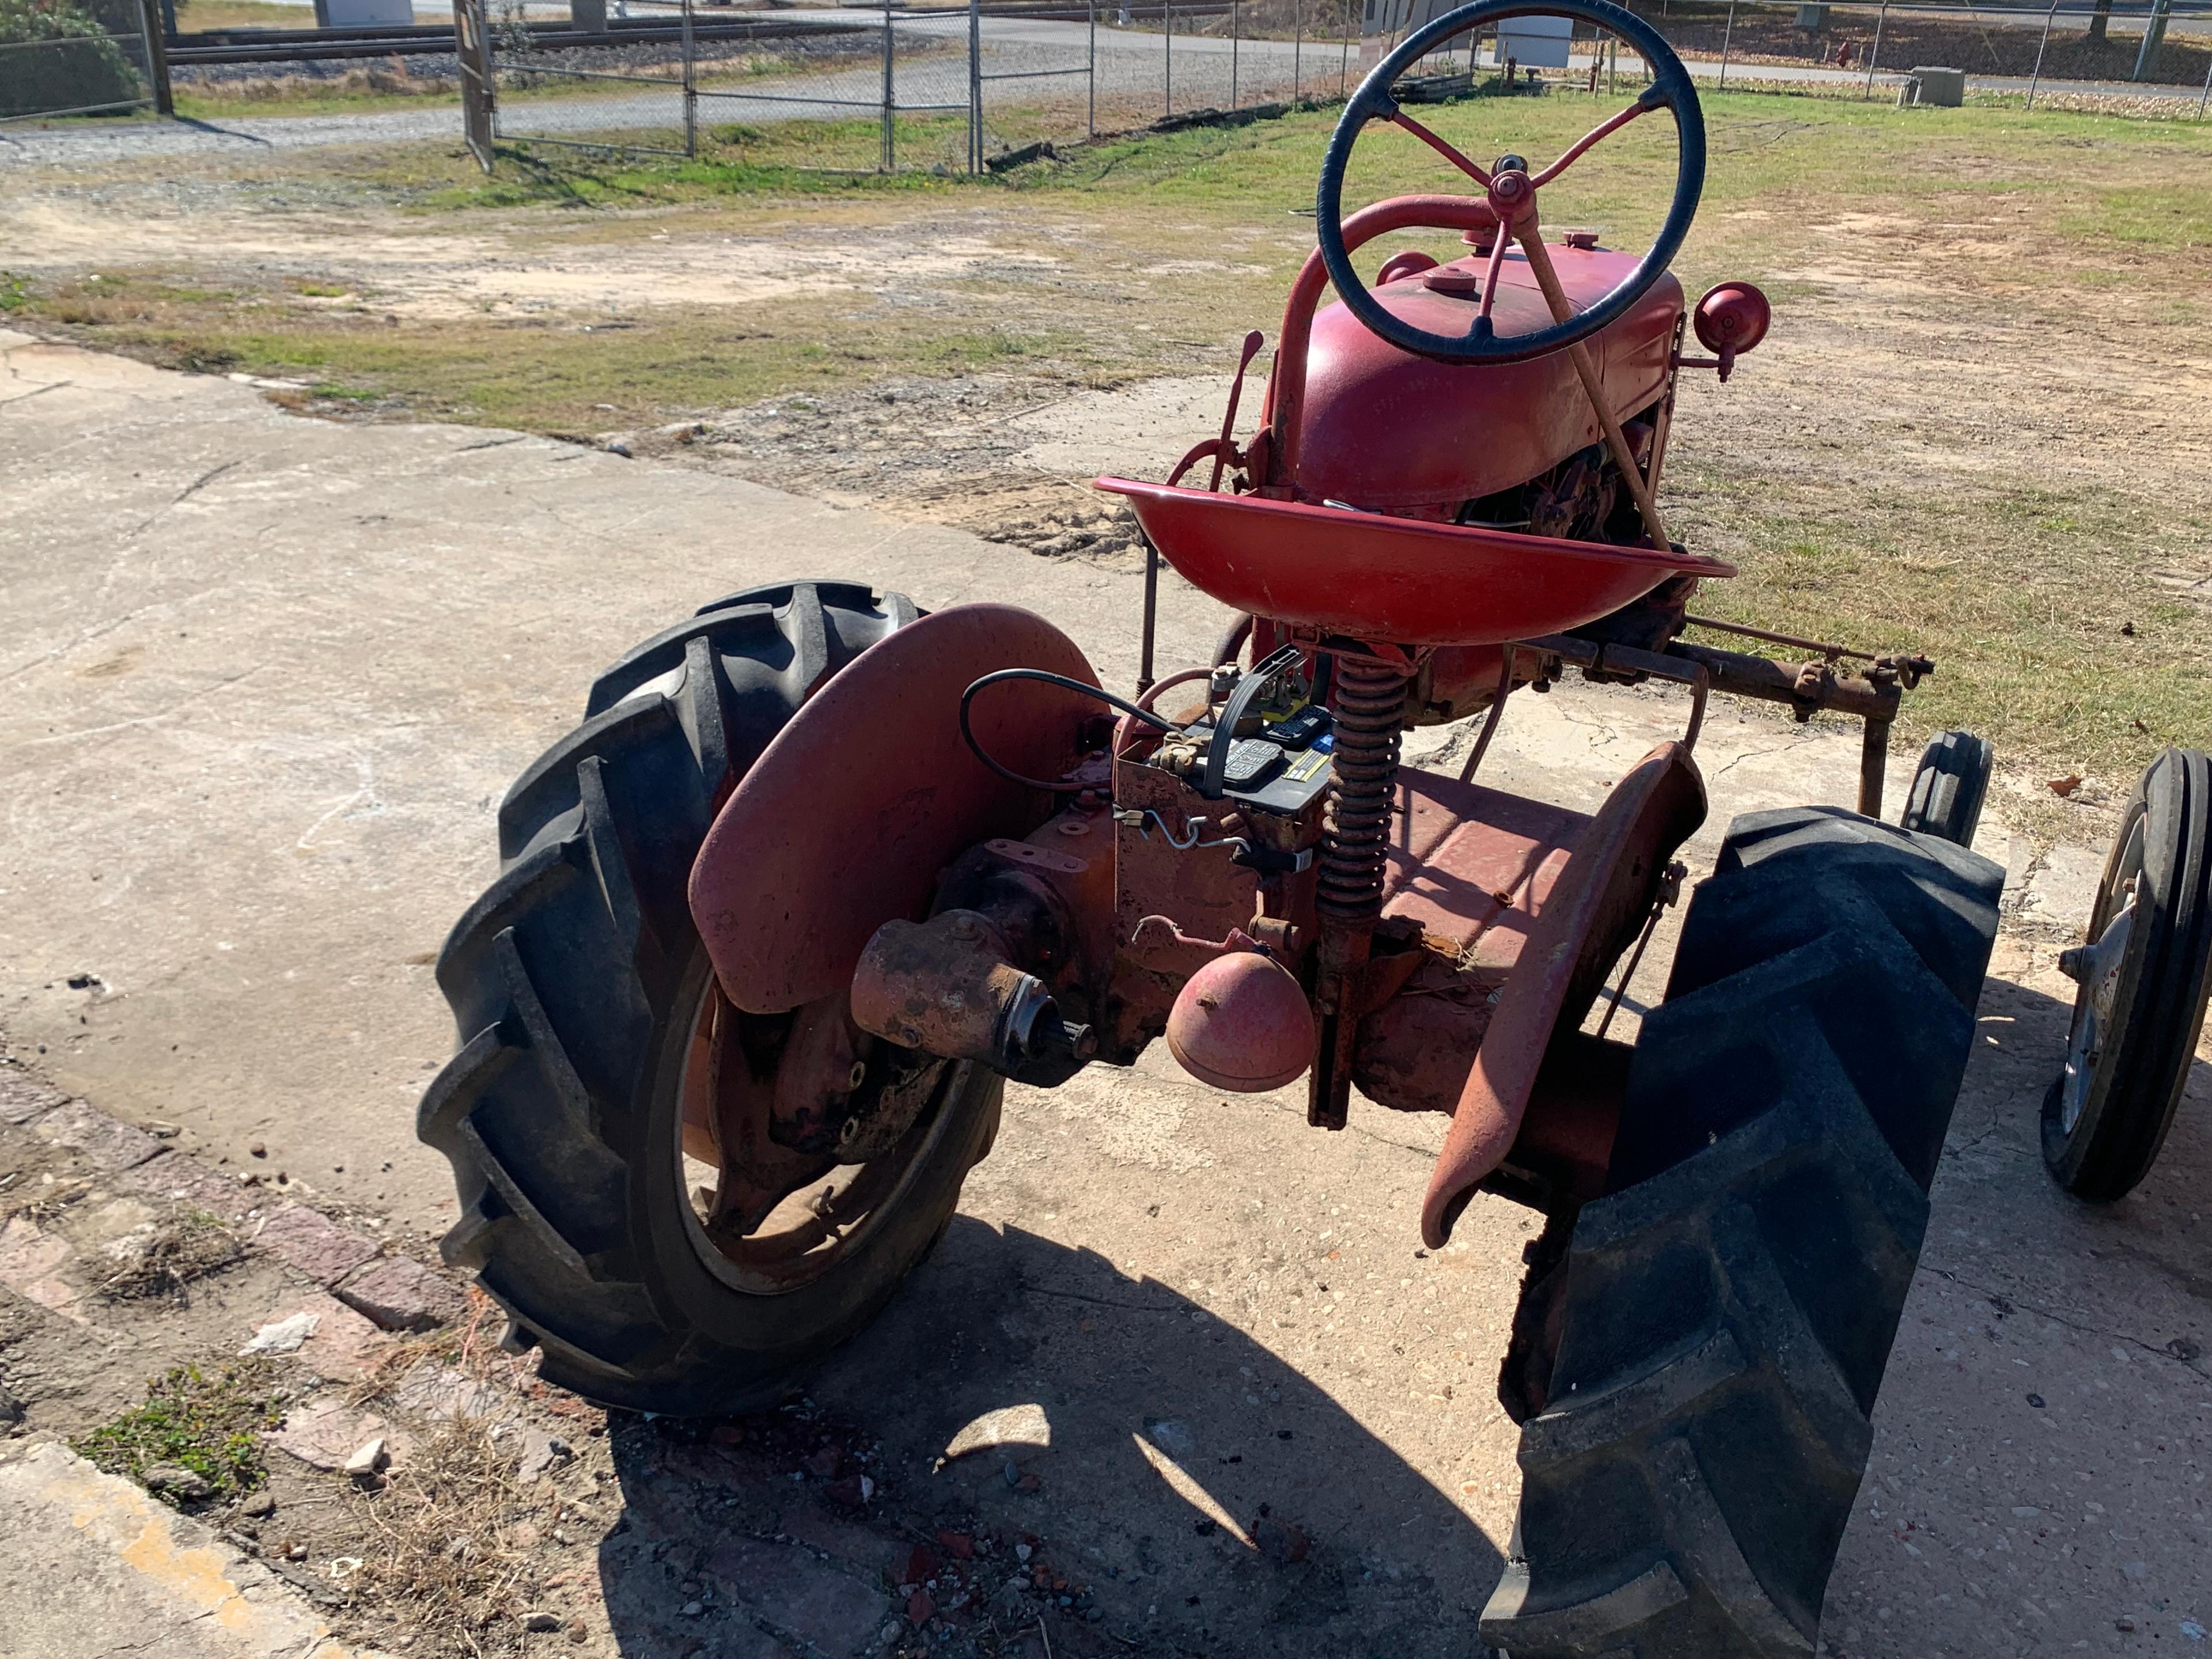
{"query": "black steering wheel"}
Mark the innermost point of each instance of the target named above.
(1512, 188)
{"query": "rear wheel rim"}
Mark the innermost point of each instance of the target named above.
(824, 1220)
(2099, 1022)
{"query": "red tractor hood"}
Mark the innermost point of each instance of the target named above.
(1385, 429)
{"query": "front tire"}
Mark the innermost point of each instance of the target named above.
(2143, 972)
(1728, 1307)
(1949, 786)
(579, 984)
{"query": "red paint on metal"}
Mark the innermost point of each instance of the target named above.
(1378, 578)
(1473, 867)
(845, 821)
(1453, 434)
(1598, 902)
(1732, 317)
(1241, 1023)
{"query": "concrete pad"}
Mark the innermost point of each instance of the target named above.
(140, 1578)
(2062, 889)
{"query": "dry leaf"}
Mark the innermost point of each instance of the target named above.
(2066, 786)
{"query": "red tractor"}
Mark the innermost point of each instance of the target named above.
(819, 872)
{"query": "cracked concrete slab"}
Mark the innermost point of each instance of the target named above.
(92, 1567)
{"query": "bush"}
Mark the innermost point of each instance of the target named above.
(77, 66)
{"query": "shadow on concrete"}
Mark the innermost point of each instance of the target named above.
(1189, 1489)
(1182, 1489)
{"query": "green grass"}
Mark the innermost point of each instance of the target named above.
(2032, 582)
(210, 1423)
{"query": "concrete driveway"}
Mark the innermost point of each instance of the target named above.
(265, 680)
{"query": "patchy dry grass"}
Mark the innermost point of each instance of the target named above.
(162, 1260)
(454, 1538)
(1952, 441)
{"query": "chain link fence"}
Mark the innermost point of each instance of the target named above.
(78, 58)
(2117, 50)
(964, 88)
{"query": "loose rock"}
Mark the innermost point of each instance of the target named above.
(369, 1459)
(174, 1480)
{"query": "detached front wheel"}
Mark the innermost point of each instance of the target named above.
(2142, 972)
(684, 1205)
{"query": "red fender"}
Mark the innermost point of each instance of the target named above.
(1600, 899)
(844, 822)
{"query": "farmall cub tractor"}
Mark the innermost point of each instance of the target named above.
(819, 872)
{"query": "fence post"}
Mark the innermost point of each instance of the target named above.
(1611, 64)
(2205, 97)
(1728, 34)
(1874, 56)
(2153, 39)
(690, 87)
(889, 158)
(975, 87)
(1167, 75)
(2049, 18)
(479, 93)
(1297, 49)
(1091, 73)
(157, 56)
(1344, 58)
(1235, 40)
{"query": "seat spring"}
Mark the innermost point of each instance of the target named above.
(1371, 718)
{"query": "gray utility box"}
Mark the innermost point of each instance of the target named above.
(1944, 88)
(1812, 18)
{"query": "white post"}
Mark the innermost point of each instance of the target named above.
(1728, 34)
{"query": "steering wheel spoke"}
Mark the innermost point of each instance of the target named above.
(1603, 129)
(1443, 145)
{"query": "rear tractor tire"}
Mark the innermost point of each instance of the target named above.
(584, 1003)
(1725, 1312)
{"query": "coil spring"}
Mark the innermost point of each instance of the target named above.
(1370, 714)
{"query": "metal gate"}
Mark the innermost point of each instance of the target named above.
(81, 58)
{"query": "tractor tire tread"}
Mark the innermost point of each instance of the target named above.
(1729, 1303)
(1949, 786)
(560, 974)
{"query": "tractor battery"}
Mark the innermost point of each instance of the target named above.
(1282, 769)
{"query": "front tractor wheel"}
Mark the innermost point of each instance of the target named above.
(650, 1183)
(1719, 1324)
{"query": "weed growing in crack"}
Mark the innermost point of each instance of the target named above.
(208, 1424)
(454, 1559)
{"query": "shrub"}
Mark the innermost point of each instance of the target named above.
(71, 63)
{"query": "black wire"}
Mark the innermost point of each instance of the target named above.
(968, 732)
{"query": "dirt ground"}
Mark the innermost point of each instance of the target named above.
(1974, 423)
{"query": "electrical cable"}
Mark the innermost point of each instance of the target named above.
(968, 732)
